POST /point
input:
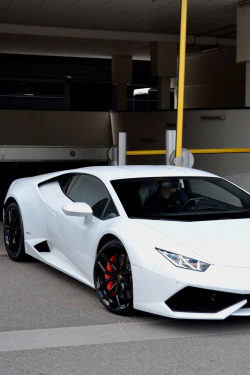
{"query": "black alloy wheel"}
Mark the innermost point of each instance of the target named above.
(13, 232)
(113, 278)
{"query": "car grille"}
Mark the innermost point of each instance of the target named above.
(198, 300)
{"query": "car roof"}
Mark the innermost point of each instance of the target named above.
(109, 173)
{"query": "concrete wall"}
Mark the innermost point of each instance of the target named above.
(53, 128)
(243, 33)
(232, 132)
(146, 131)
(214, 80)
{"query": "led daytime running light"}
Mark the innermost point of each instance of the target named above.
(182, 261)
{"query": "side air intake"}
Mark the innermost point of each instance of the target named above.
(42, 247)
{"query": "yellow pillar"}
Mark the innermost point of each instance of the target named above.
(181, 80)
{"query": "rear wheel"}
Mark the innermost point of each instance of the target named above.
(13, 232)
(113, 278)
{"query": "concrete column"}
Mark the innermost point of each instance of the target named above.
(121, 96)
(164, 66)
(247, 98)
(163, 98)
(121, 77)
(243, 42)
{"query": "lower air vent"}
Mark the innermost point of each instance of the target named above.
(199, 300)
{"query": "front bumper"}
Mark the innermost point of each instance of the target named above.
(216, 293)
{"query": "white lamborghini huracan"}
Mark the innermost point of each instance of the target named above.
(166, 240)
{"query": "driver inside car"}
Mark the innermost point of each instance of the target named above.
(168, 197)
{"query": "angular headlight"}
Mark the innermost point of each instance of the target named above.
(184, 262)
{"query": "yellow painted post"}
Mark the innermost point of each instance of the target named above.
(181, 80)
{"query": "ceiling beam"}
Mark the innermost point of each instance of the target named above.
(109, 35)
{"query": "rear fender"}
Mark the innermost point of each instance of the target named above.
(24, 193)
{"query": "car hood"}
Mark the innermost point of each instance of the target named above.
(220, 242)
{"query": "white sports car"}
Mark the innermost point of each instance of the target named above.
(166, 240)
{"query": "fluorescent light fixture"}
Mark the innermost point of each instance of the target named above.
(209, 49)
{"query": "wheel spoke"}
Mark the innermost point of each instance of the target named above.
(127, 284)
(110, 262)
(127, 273)
(102, 267)
(123, 261)
(104, 270)
(16, 221)
(107, 294)
(113, 265)
(13, 241)
(118, 299)
(124, 293)
(10, 216)
(103, 284)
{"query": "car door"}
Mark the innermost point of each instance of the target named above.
(79, 235)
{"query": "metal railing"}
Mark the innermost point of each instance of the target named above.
(120, 153)
(194, 151)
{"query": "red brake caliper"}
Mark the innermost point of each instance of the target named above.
(110, 269)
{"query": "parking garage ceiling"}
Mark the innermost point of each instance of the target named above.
(102, 28)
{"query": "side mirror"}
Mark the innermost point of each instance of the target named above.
(77, 209)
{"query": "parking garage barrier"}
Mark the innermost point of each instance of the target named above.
(170, 146)
(194, 151)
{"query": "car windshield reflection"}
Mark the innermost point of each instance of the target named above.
(182, 198)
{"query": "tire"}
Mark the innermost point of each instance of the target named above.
(13, 233)
(113, 278)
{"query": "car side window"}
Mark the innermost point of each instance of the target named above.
(66, 181)
(90, 190)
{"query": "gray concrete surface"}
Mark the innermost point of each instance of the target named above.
(2, 248)
(51, 324)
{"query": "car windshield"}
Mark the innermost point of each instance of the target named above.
(182, 198)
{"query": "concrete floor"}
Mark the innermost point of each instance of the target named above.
(2, 247)
(52, 324)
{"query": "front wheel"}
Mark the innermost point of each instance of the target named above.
(113, 278)
(13, 232)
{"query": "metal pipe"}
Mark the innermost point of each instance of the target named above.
(170, 144)
(219, 150)
(122, 147)
(146, 152)
(194, 151)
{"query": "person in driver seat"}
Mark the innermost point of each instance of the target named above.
(168, 197)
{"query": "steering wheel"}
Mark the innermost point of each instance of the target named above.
(192, 202)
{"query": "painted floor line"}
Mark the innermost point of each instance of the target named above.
(107, 334)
